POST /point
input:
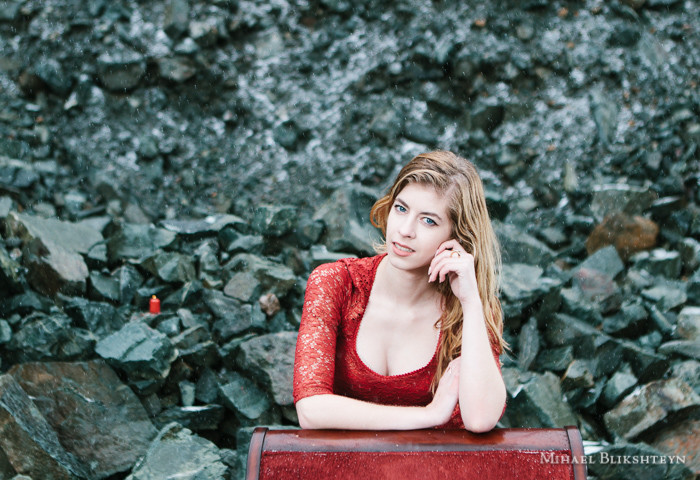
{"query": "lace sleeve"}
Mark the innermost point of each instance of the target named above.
(327, 289)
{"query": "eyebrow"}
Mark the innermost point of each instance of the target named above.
(431, 214)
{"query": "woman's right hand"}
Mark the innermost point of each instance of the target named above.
(446, 395)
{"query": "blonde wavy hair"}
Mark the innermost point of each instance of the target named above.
(457, 179)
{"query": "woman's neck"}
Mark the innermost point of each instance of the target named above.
(406, 288)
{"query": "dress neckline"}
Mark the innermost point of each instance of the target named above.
(356, 330)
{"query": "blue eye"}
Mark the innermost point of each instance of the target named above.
(430, 221)
(400, 208)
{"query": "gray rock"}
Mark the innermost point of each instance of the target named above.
(688, 324)
(685, 348)
(604, 114)
(129, 282)
(43, 337)
(244, 287)
(25, 304)
(666, 295)
(10, 274)
(273, 277)
(575, 304)
(5, 332)
(528, 344)
(198, 418)
(211, 225)
(598, 288)
(555, 359)
(121, 71)
(535, 400)
(16, 173)
(103, 287)
(233, 318)
(234, 242)
(631, 321)
(612, 198)
(177, 453)
(97, 418)
(243, 397)
(521, 248)
(659, 262)
(138, 241)
(522, 285)
(170, 267)
(606, 260)
(577, 375)
(176, 20)
(270, 359)
(6, 206)
(98, 317)
(619, 385)
(29, 443)
(609, 463)
(319, 255)
(646, 364)
(143, 353)
(650, 407)
(52, 74)
(274, 220)
(53, 269)
(689, 250)
(177, 70)
(346, 216)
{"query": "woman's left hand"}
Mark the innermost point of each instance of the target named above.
(453, 262)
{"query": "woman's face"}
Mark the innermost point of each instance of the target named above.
(417, 224)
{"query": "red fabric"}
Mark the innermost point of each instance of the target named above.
(326, 360)
(477, 465)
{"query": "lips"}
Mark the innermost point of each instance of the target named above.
(401, 249)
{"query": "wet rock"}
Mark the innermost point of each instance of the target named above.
(688, 324)
(233, 317)
(138, 241)
(43, 337)
(519, 247)
(245, 399)
(631, 321)
(629, 234)
(577, 375)
(666, 295)
(609, 463)
(121, 71)
(100, 318)
(523, 285)
(170, 267)
(270, 358)
(682, 440)
(274, 220)
(685, 348)
(243, 286)
(103, 287)
(555, 359)
(25, 303)
(10, 274)
(29, 443)
(606, 260)
(209, 226)
(175, 22)
(575, 304)
(652, 406)
(235, 242)
(598, 288)
(528, 344)
(176, 451)
(198, 418)
(646, 364)
(143, 353)
(97, 418)
(274, 277)
(346, 217)
(614, 198)
(16, 173)
(659, 262)
(619, 385)
(535, 400)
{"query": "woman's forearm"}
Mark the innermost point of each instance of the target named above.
(482, 393)
(339, 412)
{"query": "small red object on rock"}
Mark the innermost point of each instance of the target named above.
(154, 305)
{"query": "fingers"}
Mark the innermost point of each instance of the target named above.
(445, 264)
(451, 244)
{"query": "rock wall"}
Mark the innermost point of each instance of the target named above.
(213, 153)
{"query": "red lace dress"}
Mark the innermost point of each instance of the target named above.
(327, 361)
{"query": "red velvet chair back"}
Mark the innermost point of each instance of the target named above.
(520, 453)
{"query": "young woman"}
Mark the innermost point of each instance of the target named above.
(410, 338)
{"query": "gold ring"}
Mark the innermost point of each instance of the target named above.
(455, 253)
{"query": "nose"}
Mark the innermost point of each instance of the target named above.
(406, 228)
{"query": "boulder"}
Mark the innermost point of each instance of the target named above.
(96, 417)
(270, 359)
(29, 443)
(521, 248)
(535, 400)
(628, 234)
(652, 406)
(178, 453)
(274, 277)
(135, 241)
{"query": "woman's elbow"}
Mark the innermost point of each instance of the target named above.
(304, 413)
(478, 425)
